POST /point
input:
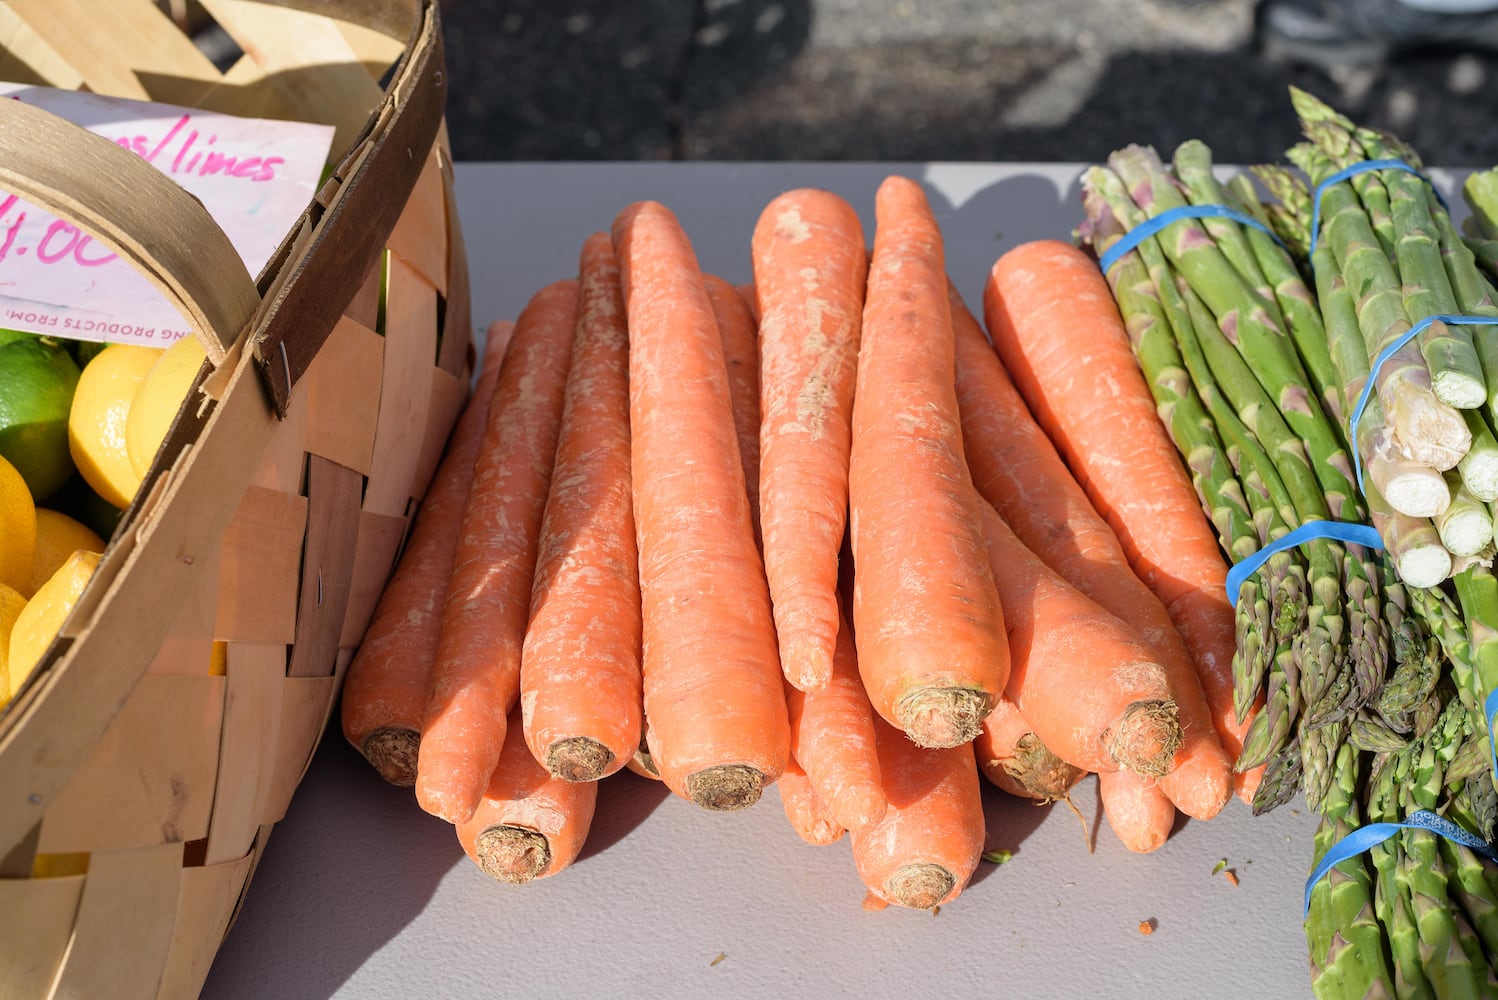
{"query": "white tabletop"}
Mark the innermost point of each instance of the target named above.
(361, 896)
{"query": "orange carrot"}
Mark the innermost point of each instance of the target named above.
(1092, 690)
(1013, 758)
(1015, 465)
(738, 330)
(750, 296)
(717, 726)
(804, 808)
(580, 664)
(1054, 323)
(529, 824)
(810, 269)
(476, 676)
(832, 739)
(929, 626)
(385, 690)
(927, 846)
(1138, 813)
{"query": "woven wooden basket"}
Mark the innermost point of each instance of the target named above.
(274, 512)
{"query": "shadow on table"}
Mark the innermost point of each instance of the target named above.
(324, 902)
(625, 800)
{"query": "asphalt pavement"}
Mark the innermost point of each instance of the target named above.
(1002, 80)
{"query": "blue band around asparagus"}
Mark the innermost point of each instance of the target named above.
(1367, 166)
(1342, 531)
(1378, 362)
(1366, 837)
(1165, 219)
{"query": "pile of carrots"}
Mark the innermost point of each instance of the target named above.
(818, 531)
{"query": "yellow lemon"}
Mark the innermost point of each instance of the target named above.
(17, 528)
(57, 537)
(59, 865)
(11, 603)
(96, 423)
(37, 624)
(158, 399)
(218, 659)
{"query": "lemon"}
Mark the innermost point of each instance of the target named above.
(96, 425)
(37, 379)
(78, 500)
(11, 603)
(37, 624)
(17, 528)
(158, 399)
(57, 537)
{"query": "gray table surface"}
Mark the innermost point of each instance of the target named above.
(361, 896)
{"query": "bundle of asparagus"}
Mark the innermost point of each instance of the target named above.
(1480, 228)
(1377, 667)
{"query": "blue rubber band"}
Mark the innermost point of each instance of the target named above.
(1385, 355)
(1360, 168)
(1170, 216)
(1365, 837)
(1342, 531)
(1489, 709)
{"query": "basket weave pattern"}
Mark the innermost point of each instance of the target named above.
(174, 801)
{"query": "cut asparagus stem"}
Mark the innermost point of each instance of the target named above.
(1412, 543)
(1466, 525)
(1479, 467)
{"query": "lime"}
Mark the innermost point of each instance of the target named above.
(37, 380)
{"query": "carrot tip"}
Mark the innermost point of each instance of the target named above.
(1146, 738)
(943, 717)
(512, 854)
(1034, 772)
(726, 787)
(920, 886)
(579, 758)
(392, 751)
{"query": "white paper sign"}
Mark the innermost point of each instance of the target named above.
(254, 176)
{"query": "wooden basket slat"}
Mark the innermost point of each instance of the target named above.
(125, 921)
(447, 395)
(169, 730)
(456, 354)
(26, 58)
(327, 565)
(364, 308)
(283, 465)
(306, 60)
(188, 647)
(205, 905)
(379, 540)
(420, 235)
(36, 922)
(261, 556)
(343, 396)
(375, 50)
(411, 305)
(247, 748)
(305, 702)
(111, 44)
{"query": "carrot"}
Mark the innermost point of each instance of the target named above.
(750, 296)
(1054, 323)
(476, 676)
(810, 269)
(804, 808)
(715, 710)
(580, 663)
(929, 626)
(1014, 759)
(739, 332)
(385, 689)
(1138, 813)
(832, 739)
(1092, 690)
(529, 824)
(927, 846)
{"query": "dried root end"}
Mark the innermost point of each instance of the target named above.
(726, 787)
(1146, 738)
(579, 758)
(1034, 772)
(392, 750)
(512, 854)
(920, 886)
(943, 717)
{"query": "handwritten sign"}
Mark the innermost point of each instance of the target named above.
(254, 176)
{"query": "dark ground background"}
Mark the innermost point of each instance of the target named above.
(1002, 80)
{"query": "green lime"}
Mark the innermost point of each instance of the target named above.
(85, 351)
(6, 336)
(37, 379)
(79, 501)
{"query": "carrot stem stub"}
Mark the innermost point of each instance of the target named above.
(714, 703)
(926, 614)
